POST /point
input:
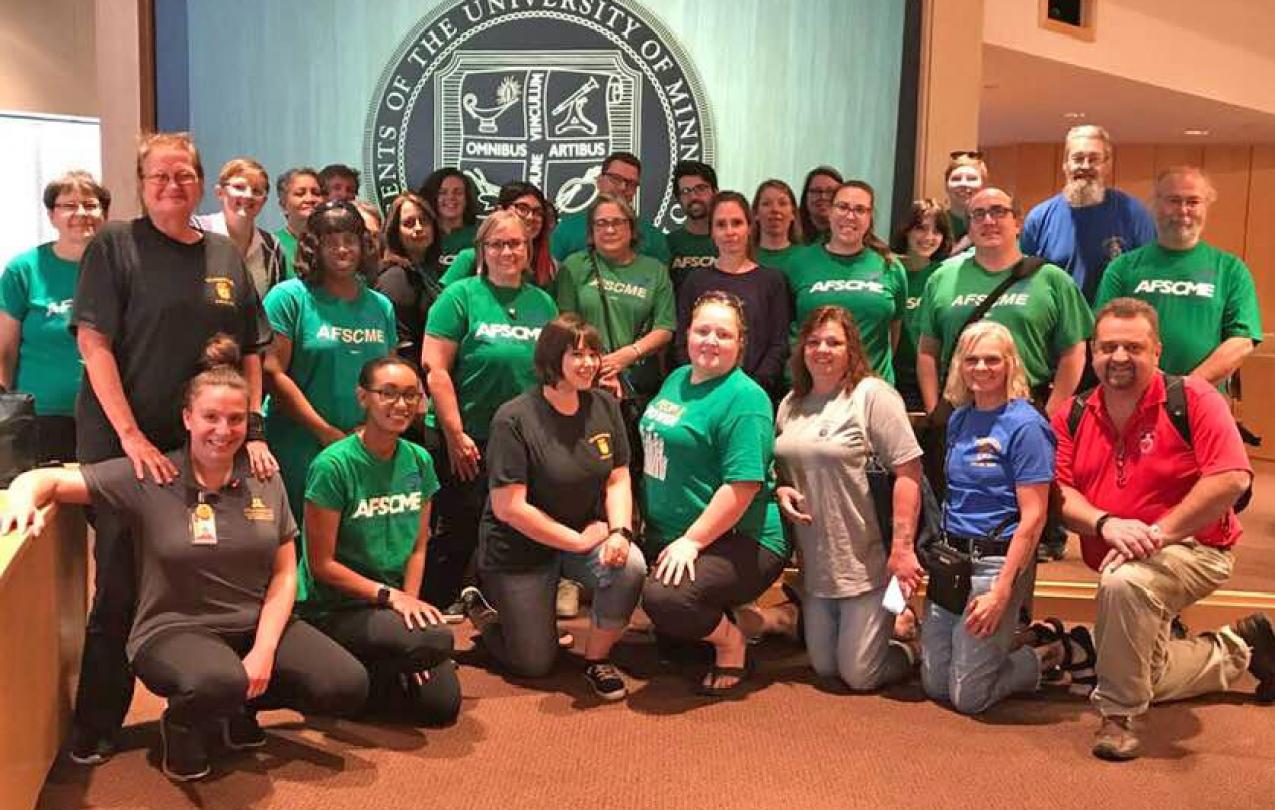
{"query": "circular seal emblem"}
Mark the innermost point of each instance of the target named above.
(542, 91)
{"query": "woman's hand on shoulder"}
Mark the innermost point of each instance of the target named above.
(261, 460)
(147, 458)
(793, 505)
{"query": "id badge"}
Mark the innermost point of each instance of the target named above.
(203, 526)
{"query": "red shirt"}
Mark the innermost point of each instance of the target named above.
(1149, 470)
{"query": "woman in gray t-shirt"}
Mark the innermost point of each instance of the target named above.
(837, 416)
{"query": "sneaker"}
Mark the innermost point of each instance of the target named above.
(240, 731)
(1258, 635)
(477, 609)
(1116, 740)
(88, 748)
(567, 604)
(606, 681)
(454, 613)
(184, 757)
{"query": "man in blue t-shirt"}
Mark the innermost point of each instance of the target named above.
(1087, 224)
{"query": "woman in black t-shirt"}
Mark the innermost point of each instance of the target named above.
(560, 502)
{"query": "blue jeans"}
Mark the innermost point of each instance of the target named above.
(850, 637)
(977, 673)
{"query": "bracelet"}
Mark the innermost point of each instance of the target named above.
(1099, 523)
(623, 531)
(256, 427)
(637, 353)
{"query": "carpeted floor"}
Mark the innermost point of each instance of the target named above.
(789, 742)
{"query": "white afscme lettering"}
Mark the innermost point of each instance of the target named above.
(504, 330)
(1178, 288)
(381, 505)
(343, 335)
(974, 299)
(843, 285)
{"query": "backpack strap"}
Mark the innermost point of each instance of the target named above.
(1175, 405)
(1077, 412)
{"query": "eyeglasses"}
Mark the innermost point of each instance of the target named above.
(239, 188)
(87, 206)
(162, 179)
(528, 211)
(614, 223)
(698, 188)
(969, 153)
(846, 209)
(390, 395)
(995, 212)
(498, 245)
(621, 181)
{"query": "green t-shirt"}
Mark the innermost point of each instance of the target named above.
(960, 226)
(688, 252)
(639, 299)
(570, 235)
(36, 290)
(910, 334)
(1045, 313)
(380, 503)
(1203, 296)
(695, 438)
(288, 246)
(331, 341)
(495, 331)
(873, 290)
(453, 243)
(783, 260)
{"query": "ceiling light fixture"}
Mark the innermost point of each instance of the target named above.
(1073, 116)
(1195, 133)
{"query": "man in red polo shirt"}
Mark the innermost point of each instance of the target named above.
(1155, 518)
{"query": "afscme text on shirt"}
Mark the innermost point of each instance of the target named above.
(504, 330)
(974, 299)
(1178, 288)
(847, 285)
(381, 505)
(346, 335)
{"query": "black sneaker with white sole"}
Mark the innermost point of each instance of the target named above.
(477, 609)
(184, 757)
(88, 748)
(605, 680)
(240, 732)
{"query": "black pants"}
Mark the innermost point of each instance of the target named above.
(106, 682)
(392, 653)
(201, 674)
(732, 571)
(458, 507)
(55, 439)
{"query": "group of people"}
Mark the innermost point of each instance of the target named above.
(306, 452)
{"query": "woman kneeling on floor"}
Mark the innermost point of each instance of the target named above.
(367, 515)
(560, 505)
(216, 579)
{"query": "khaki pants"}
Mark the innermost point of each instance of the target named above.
(1138, 663)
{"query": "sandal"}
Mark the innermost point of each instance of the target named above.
(1083, 656)
(741, 675)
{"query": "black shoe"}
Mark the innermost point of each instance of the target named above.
(606, 681)
(454, 613)
(477, 609)
(1257, 634)
(88, 748)
(1178, 629)
(240, 731)
(184, 757)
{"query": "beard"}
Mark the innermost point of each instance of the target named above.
(1081, 192)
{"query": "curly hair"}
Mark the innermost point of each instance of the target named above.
(328, 218)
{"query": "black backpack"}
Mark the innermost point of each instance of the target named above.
(1174, 404)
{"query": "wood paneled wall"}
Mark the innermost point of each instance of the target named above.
(1242, 221)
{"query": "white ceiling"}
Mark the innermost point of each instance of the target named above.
(1025, 99)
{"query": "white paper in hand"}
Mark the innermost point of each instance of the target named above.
(893, 600)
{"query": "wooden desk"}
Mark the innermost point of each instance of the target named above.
(42, 611)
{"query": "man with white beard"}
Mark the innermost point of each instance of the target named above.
(1087, 224)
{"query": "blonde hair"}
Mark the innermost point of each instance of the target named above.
(168, 140)
(1016, 386)
(247, 168)
(1087, 131)
(494, 220)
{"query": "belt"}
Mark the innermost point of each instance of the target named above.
(981, 546)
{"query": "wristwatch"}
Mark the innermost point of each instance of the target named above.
(383, 596)
(1099, 523)
(624, 532)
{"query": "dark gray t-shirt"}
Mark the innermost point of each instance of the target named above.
(218, 587)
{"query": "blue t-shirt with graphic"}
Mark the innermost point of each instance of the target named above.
(1083, 241)
(989, 453)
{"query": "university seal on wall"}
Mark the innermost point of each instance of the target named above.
(540, 90)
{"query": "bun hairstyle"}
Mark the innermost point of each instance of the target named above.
(334, 217)
(220, 365)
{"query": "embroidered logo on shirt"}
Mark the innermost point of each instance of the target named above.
(1146, 442)
(223, 290)
(602, 443)
(257, 510)
(1113, 246)
(987, 450)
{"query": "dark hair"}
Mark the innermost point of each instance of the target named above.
(916, 218)
(859, 366)
(285, 180)
(219, 366)
(795, 233)
(333, 217)
(694, 168)
(803, 208)
(434, 183)
(1128, 308)
(368, 373)
(732, 301)
(566, 332)
(333, 170)
(602, 199)
(395, 252)
(77, 181)
(723, 197)
(870, 239)
(542, 266)
(622, 157)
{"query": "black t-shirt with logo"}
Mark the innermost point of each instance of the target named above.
(158, 301)
(564, 461)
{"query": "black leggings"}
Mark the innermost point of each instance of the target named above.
(734, 570)
(201, 673)
(392, 653)
(458, 507)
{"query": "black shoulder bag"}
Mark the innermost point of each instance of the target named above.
(18, 451)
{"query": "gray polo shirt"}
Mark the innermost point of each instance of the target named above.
(215, 586)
